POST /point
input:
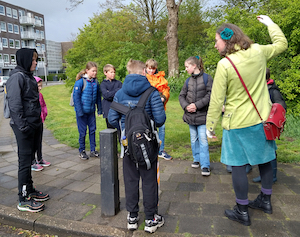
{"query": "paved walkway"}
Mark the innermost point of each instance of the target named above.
(191, 204)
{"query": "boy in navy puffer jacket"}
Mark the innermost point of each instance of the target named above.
(133, 87)
(86, 96)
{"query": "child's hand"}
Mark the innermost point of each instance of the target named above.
(191, 108)
(162, 99)
(99, 115)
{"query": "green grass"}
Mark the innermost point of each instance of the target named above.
(61, 121)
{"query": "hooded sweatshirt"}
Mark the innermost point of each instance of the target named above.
(23, 94)
(44, 111)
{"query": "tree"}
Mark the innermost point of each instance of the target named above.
(172, 37)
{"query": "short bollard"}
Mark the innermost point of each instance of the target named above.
(110, 196)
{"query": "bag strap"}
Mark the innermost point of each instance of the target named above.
(242, 81)
(205, 79)
(123, 109)
(145, 96)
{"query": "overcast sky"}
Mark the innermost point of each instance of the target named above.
(60, 24)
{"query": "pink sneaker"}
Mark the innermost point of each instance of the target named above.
(44, 163)
(37, 167)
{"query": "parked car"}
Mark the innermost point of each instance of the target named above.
(3, 80)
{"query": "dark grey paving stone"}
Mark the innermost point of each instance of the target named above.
(195, 225)
(294, 187)
(94, 199)
(179, 208)
(182, 178)
(213, 209)
(74, 212)
(10, 184)
(225, 227)
(190, 187)
(75, 197)
(8, 168)
(170, 224)
(174, 196)
(253, 188)
(268, 228)
(163, 207)
(6, 178)
(164, 185)
(56, 193)
(293, 228)
(53, 207)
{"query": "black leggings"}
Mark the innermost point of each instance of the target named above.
(240, 180)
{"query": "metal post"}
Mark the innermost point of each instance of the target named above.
(110, 196)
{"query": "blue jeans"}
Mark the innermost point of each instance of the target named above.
(161, 136)
(87, 120)
(199, 145)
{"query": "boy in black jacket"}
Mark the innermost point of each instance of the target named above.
(25, 113)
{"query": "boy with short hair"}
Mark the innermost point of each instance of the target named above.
(133, 87)
(109, 86)
(158, 81)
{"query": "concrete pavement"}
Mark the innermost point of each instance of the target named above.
(192, 205)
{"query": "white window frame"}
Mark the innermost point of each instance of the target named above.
(42, 34)
(16, 27)
(13, 43)
(2, 12)
(4, 24)
(42, 21)
(17, 44)
(4, 56)
(4, 40)
(23, 43)
(15, 13)
(13, 58)
(8, 12)
(12, 28)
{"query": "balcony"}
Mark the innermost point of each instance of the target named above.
(30, 21)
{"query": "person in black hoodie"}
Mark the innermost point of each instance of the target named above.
(26, 123)
(275, 97)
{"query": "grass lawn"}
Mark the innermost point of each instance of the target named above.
(61, 121)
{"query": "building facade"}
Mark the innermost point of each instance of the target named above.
(54, 56)
(21, 28)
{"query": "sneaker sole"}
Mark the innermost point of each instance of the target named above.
(30, 210)
(195, 166)
(36, 169)
(45, 165)
(205, 173)
(82, 158)
(40, 199)
(132, 227)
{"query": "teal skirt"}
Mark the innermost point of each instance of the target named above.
(247, 146)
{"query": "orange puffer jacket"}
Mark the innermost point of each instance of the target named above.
(161, 84)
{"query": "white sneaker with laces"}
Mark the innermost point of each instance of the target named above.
(152, 225)
(132, 222)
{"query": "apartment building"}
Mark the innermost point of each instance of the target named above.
(20, 28)
(54, 56)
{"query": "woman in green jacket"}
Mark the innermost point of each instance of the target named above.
(244, 141)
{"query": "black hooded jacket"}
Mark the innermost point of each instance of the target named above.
(23, 94)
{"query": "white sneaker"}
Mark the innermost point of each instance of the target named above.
(132, 222)
(152, 225)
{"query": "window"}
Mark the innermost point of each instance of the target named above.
(23, 43)
(17, 44)
(41, 19)
(13, 58)
(16, 29)
(43, 47)
(15, 13)
(5, 58)
(4, 43)
(38, 33)
(21, 13)
(11, 43)
(42, 34)
(8, 11)
(3, 26)
(10, 27)
(2, 10)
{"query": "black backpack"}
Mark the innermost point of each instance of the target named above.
(140, 131)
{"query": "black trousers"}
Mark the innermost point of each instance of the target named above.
(132, 177)
(39, 154)
(27, 145)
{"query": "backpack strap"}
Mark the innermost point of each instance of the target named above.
(205, 79)
(123, 109)
(145, 96)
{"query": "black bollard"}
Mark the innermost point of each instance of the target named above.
(110, 196)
